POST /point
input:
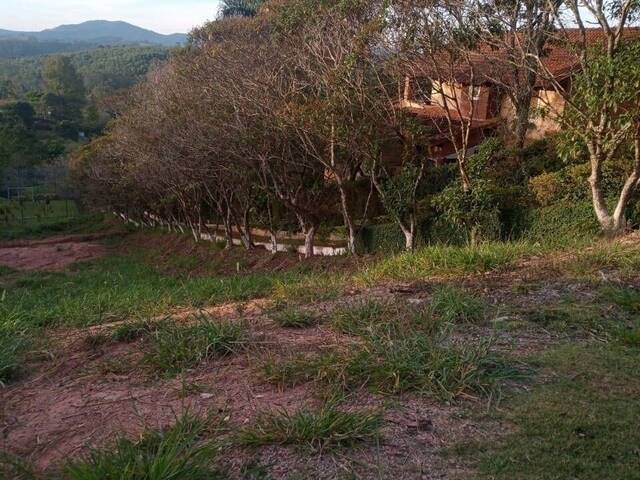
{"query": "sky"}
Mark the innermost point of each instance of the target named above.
(163, 16)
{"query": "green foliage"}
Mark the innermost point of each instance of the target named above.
(65, 93)
(608, 84)
(103, 70)
(173, 347)
(240, 8)
(176, 453)
(294, 318)
(398, 192)
(475, 211)
(314, 430)
(382, 238)
(563, 223)
(572, 183)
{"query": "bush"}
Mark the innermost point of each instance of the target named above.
(314, 430)
(562, 223)
(475, 212)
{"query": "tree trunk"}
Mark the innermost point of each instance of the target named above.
(309, 240)
(348, 221)
(409, 232)
(227, 229)
(274, 241)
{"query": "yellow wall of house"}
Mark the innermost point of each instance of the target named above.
(462, 93)
(546, 107)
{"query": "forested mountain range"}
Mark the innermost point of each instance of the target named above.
(103, 69)
(68, 38)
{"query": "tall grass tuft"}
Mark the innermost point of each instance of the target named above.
(174, 348)
(314, 430)
(177, 453)
(452, 305)
(14, 341)
(294, 318)
(448, 260)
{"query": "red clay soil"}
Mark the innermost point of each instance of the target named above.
(48, 256)
(86, 395)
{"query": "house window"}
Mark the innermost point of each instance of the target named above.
(474, 92)
(422, 88)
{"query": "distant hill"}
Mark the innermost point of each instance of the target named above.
(104, 69)
(67, 38)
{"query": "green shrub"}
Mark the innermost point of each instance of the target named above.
(315, 430)
(294, 318)
(177, 453)
(475, 212)
(174, 348)
(563, 223)
(381, 238)
(546, 188)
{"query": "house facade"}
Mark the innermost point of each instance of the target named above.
(473, 98)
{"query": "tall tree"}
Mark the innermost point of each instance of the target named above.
(64, 87)
(240, 8)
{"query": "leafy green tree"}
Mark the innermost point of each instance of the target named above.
(65, 89)
(603, 114)
(240, 8)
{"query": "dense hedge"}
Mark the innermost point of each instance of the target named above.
(561, 222)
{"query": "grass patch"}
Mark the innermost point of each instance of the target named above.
(314, 430)
(360, 318)
(583, 424)
(14, 342)
(455, 305)
(304, 288)
(174, 348)
(370, 318)
(177, 453)
(625, 297)
(118, 288)
(606, 256)
(294, 318)
(448, 260)
(134, 330)
(568, 316)
(53, 226)
(389, 363)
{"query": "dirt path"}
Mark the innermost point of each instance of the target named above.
(53, 253)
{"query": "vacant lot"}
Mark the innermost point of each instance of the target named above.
(154, 357)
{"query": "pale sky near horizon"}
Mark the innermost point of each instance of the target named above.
(162, 16)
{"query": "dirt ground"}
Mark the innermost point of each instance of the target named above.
(84, 393)
(51, 254)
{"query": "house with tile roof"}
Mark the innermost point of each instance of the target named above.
(449, 94)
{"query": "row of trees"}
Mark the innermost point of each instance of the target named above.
(281, 116)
